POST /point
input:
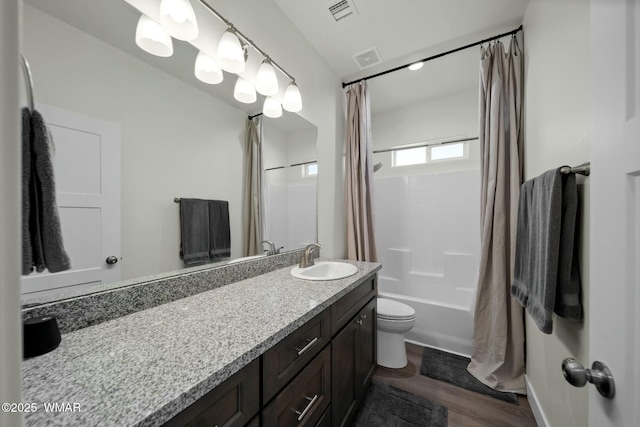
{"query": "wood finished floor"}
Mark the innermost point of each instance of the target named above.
(466, 408)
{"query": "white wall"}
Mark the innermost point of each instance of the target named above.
(10, 178)
(557, 132)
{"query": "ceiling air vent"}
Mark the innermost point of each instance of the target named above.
(342, 8)
(367, 58)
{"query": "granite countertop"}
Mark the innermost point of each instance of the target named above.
(144, 368)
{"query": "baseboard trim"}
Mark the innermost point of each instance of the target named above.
(532, 397)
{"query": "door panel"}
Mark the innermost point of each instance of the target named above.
(87, 171)
(614, 327)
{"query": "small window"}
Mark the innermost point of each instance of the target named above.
(410, 156)
(310, 169)
(448, 151)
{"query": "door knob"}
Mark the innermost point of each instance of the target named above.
(599, 375)
(111, 260)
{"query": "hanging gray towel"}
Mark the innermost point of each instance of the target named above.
(27, 255)
(44, 208)
(545, 268)
(220, 232)
(194, 229)
(568, 304)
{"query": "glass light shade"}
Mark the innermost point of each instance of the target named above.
(207, 69)
(416, 66)
(230, 53)
(292, 101)
(272, 108)
(267, 81)
(244, 91)
(178, 18)
(152, 38)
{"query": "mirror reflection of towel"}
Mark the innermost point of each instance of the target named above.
(219, 230)
(194, 230)
(42, 245)
(205, 230)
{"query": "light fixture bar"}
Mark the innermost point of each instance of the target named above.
(245, 38)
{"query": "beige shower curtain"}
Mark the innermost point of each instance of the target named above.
(498, 336)
(361, 245)
(252, 209)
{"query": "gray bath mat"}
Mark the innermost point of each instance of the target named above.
(387, 406)
(452, 368)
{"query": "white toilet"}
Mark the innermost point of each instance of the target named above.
(394, 320)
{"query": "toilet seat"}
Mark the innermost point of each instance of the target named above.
(394, 310)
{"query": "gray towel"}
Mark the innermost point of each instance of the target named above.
(27, 255)
(194, 229)
(44, 208)
(544, 271)
(568, 287)
(219, 230)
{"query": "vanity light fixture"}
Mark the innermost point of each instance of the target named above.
(272, 107)
(207, 69)
(292, 101)
(416, 66)
(244, 91)
(178, 18)
(152, 38)
(230, 53)
(266, 80)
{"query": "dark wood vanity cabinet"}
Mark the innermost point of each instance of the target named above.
(315, 377)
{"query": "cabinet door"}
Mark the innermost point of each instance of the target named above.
(343, 373)
(353, 364)
(366, 348)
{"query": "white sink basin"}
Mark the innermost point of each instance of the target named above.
(325, 270)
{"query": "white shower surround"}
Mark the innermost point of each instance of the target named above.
(428, 241)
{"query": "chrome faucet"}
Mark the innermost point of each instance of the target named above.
(272, 247)
(307, 260)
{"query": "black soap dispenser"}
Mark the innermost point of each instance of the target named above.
(40, 335)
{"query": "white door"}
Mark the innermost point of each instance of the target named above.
(87, 170)
(614, 326)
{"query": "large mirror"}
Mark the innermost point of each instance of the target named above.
(154, 133)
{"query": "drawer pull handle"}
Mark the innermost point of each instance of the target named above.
(359, 322)
(303, 413)
(306, 347)
(364, 316)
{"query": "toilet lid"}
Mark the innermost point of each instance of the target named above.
(390, 309)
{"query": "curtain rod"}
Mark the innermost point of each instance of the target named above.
(254, 116)
(428, 144)
(440, 55)
(290, 166)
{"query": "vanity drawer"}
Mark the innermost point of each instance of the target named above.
(231, 404)
(348, 306)
(282, 362)
(304, 401)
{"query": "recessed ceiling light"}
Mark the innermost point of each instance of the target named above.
(416, 66)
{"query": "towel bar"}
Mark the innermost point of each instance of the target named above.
(583, 169)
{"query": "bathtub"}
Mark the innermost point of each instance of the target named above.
(438, 325)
